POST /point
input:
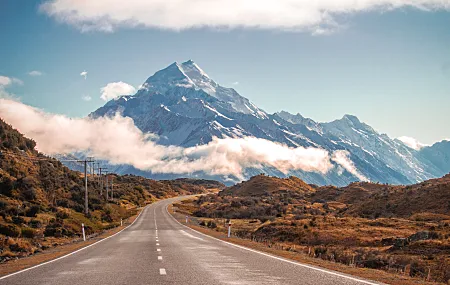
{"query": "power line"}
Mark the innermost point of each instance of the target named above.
(86, 163)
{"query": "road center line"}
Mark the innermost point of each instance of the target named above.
(160, 257)
(162, 271)
(158, 249)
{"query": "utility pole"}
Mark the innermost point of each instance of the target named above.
(101, 169)
(91, 160)
(86, 202)
(112, 191)
(106, 181)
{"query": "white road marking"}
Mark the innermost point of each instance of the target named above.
(189, 235)
(154, 218)
(275, 257)
(69, 254)
(157, 244)
(162, 271)
(158, 249)
(159, 257)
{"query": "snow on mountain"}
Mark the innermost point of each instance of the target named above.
(185, 107)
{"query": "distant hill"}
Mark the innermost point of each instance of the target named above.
(264, 185)
(363, 199)
(431, 196)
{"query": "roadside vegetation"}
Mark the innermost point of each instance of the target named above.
(404, 230)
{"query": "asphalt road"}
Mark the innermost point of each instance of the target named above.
(156, 249)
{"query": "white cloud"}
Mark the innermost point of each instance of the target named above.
(115, 89)
(341, 157)
(118, 140)
(235, 83)
(320, 16)
(17, 81)
(6, 82)
(411, 142)
(84, 74)
(86, 98)
(35, 73)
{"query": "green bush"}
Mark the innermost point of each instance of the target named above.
(10, 230)
(212, 225)
(32, 211)
(35, 224)
(17, 220)
(62, 215)
(28, 233)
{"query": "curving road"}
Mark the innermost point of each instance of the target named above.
(156, 249)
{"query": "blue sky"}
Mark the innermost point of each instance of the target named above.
(391, 68)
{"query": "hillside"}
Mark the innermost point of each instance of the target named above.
(400, 229)
(363, 199)
(265, 185)
(431, 196)
(42, 201)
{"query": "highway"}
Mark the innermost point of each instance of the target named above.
(156, 249)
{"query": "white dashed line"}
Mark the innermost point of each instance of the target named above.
(157, 244)
(158, 249)
(159, 257)
(162, 271)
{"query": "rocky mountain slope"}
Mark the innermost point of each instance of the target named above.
(185, 107)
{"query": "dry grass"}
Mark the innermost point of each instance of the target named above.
(55, 252)
(312, 239)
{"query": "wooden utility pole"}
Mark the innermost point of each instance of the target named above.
(106, 183)
(112, 190)
(101, 169)
(86, 196)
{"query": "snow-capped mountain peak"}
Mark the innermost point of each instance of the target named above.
(185, 107)
(188, 75)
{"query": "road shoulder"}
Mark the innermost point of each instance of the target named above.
(16, 265)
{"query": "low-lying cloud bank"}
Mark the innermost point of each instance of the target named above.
(119, 141)
(318, 16)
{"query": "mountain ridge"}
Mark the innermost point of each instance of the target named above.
(184, 107)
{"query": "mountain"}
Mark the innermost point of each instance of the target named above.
(185, 107)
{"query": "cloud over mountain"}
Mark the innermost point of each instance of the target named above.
(118, 140)
(115, 89)
(411, 142)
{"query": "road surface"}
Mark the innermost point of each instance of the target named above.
(156, 249)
